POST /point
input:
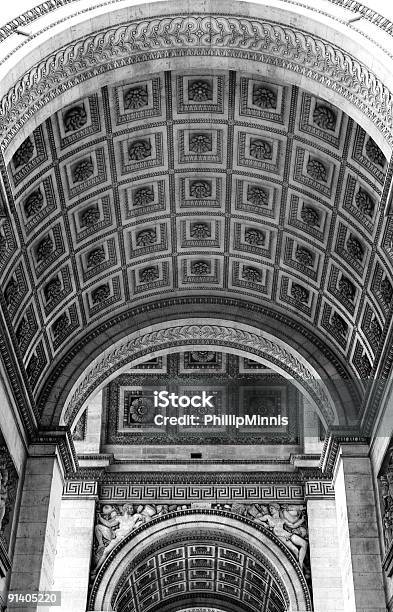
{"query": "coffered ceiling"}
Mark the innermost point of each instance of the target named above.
(187, 184)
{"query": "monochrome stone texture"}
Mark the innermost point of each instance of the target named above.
(196, 288)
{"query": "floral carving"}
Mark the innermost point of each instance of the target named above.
(375, 331)
(355, 248)
(32, 367)
(317, 170)
(386, 291)
(299, 293)
(33, 203)
(254, 236)
(22, 331)
(257, 195)
(90, 216)
(148, 275)
(100, 294)
(11, 292)
(339, 325)
(200, 230)
(252, 274)
(201, 268)
(203, 356)
(324, 117)
(83, 170)
(346, 288)
(136, 97)
(3, 245)
(201, 143)
(145, 237)
(45, 248)
(143, 196)
(139, 149)
(310, 216)
(365, 366)
(23, 154)
(75, 118)
(60, 326)
(304, 256)
(200, 91)
(200, 189)
(364, 202)
(260, 149)
(141, 410)
(95, 257)
(264, 97)
(374, 153)
(52, 289)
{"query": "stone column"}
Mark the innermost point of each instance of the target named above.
(74, 545)
(324, 548)
(360, 555)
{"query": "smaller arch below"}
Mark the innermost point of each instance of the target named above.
(158, 563)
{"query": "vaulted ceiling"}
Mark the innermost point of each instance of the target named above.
(188, 184)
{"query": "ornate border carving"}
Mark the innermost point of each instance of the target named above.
(139, 344)
(207, 35)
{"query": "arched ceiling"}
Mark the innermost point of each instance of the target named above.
(187, 184)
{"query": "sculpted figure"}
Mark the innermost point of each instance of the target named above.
(3, 494)
(278, 524)
(109, 531)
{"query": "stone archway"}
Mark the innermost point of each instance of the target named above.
(258, 548)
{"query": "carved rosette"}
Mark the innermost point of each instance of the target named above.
(135, 98)
(254, 237)
(200, 189)
(201, 143)
(203, 356)
(299, 293)
(24, 154)
(346, 288)
(52, 289)
(339, 325)
(364, 202)
(200, 91)
(324, 117)
(264, 97)
(75, 118)
(310, 216)
(386, 291)
(143, 196)
(257, 196)
(317, 170)
(33, 203)
(304, 256)
(11, 292)
(252, 274)
(355, 248)
(90, 216)
(96, 257)
(200, 231)
(141, 410)
(150, 274)
(260, 149)
(83, 170)
(146, 237)
(44, 249)
(60, 326)
(139, 149)
(201, 268)
(374, 153)
(100, 294)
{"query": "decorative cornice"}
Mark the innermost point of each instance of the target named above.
(200, 35)
(140, 344)
(332, 446)
(60, 438)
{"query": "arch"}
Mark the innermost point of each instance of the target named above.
(157, 34)
(187, 525)
(219, 334)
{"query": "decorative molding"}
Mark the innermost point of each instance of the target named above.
(74, 489)
(61, 438)
(195, 334)
(319, 489)
(218, 35)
